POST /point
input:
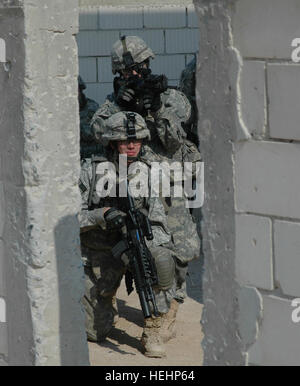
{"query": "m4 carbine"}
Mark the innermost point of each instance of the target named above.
(155, 84)
(141, 265)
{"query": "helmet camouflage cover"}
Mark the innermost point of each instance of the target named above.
(123, 126)
(135, 46)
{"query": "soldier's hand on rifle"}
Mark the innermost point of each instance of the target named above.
(125, 94)
(147, 100)
(115, 218)
(151, 101)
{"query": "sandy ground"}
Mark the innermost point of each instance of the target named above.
(123, 348)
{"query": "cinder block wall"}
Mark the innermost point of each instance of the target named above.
(248, 93)
(267, 174)
(170, 30)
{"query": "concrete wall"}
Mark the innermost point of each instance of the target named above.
(171, 30)
(248, 94)
(15, 303)
(41, 282)
(267, 171)
(216, 94)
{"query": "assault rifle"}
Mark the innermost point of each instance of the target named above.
(142, 269)
(156, 84)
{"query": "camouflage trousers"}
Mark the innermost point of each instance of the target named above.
(186, 242)
(103, 275)
(102, 278)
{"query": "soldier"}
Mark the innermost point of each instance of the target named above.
(187, 85)
(87, 108)
(100, 221)
(165, 111)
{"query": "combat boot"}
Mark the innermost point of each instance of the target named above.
(168, 330)
(151, 340)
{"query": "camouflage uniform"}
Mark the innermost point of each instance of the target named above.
(88, 146)
(87, 108)
(187, 85)
(165, 125)
(168, 142)
(103, 271)
(186, 242)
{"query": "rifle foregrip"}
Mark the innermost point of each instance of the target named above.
(144, 304)
(119, 248)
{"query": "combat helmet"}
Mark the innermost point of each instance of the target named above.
(81, 84)
(129, 49)
(123, 126)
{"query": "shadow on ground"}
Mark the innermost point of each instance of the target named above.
(119, 337)
(123, 348)
(132, 315)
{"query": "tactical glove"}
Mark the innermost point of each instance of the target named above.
(114, 218)
(151, 101)
(125, 95)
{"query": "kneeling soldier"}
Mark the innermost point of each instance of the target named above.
(102, 221)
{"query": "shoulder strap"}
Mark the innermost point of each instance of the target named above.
(98, 158)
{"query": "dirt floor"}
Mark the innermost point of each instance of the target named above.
(123, 348)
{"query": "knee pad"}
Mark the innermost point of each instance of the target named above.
(165, 267)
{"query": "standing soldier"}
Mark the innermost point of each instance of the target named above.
(87, 108)
(136, 89)
(187, 85)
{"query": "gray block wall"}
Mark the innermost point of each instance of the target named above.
(41, 281)
(170, 29)
(267, 171)
(248, 95)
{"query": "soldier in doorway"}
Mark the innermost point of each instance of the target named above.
(87, 108)
(101, 220)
